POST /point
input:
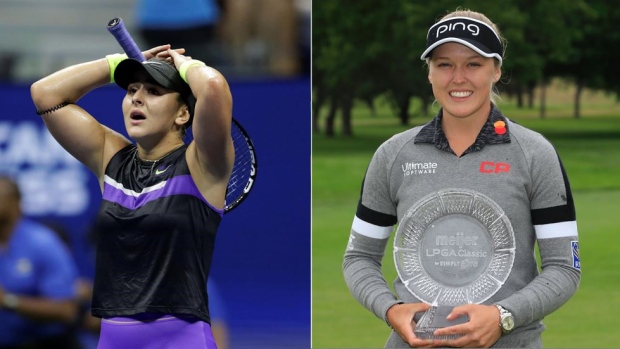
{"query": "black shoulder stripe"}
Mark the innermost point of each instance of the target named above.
(374, 217)
(555, 214)
(562, 213)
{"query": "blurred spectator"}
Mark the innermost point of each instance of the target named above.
(189, 24)
(37, 279)
(85, 326)
(263, 34)
(7, 64)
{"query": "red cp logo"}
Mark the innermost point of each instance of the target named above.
(494, 167)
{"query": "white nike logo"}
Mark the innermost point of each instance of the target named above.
(158, 171)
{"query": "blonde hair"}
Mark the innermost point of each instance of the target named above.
(480, 17)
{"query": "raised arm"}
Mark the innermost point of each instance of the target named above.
(73, 127)
(212, 147)
(77, 131)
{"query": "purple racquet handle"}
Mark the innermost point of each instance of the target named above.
(116, 27)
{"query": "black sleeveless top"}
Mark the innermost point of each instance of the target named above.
(155, 238)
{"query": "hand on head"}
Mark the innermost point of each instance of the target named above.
(162, 51)
(177, 57)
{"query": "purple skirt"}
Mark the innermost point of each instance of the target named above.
(155, 331)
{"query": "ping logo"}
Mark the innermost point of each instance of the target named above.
(494, 167)
(472, 28)
(575, 248)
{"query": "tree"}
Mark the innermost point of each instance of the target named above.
(362, 50)
(344, 57)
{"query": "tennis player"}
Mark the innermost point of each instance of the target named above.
(469, 147)
(163, 200)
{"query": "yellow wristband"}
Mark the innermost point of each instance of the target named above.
(188, 64)
(113, 61)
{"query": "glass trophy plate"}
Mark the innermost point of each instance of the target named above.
(435, 318)
(454, 247)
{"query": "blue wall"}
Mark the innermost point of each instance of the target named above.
(262, 258)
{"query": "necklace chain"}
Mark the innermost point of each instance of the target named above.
(153, 161)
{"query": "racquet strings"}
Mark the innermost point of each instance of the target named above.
(242, 169)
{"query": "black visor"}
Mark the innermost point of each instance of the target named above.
(472, 33)
(161, 72)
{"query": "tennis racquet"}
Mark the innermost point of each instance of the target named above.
(244, 170)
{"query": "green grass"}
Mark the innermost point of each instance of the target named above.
(590, 150)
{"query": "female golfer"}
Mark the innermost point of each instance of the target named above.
(162, 199)
(480, 187)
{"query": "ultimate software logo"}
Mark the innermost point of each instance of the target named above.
(417, 168)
